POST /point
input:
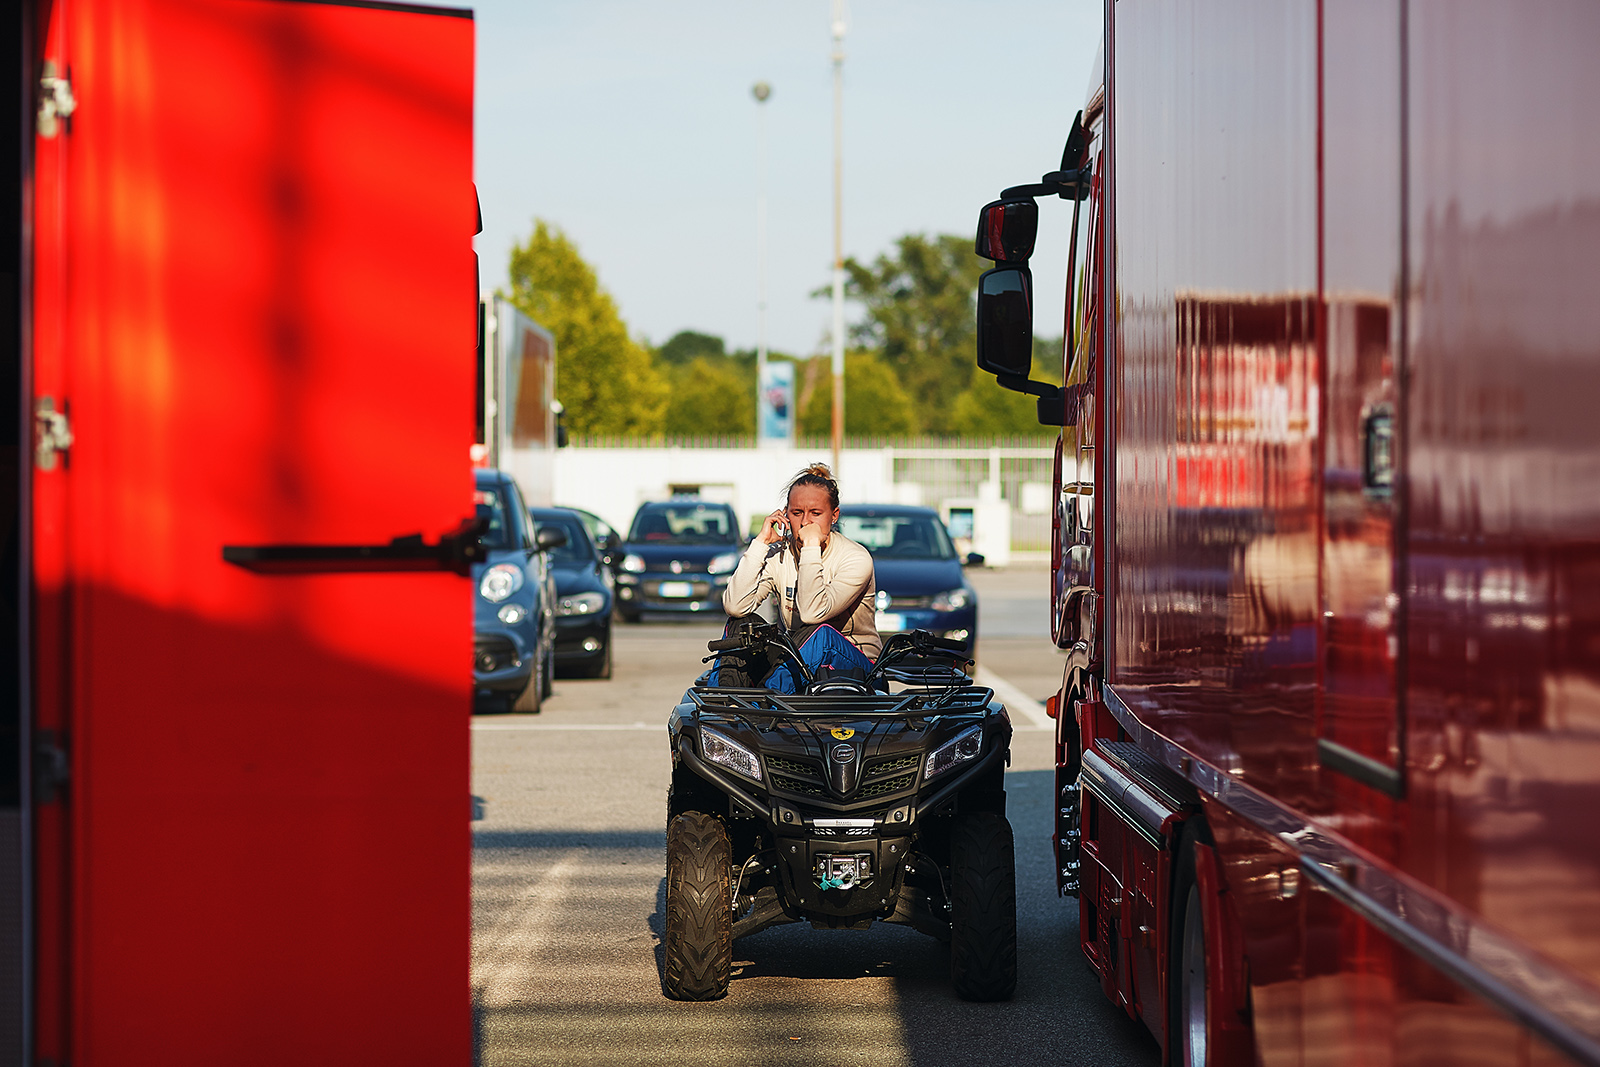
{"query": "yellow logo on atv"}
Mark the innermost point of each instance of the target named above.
(843, 733)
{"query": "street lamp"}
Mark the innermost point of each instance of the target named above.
(761, 90)
(838, 230)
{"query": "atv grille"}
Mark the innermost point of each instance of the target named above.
(893, 766)
(795, 785)
(789, 766)
(886, 785)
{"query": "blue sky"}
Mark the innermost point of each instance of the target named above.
(630, 124)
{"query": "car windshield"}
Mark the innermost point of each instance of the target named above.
(685, 524)
(491, 505)
(899, 536)
(578, 550)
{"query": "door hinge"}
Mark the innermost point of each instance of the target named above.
(50, 766)
(56, 102)
(52, 432)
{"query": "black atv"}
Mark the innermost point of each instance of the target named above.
(867, 797)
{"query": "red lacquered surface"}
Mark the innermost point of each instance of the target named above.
(1332, 224)
(255, 291)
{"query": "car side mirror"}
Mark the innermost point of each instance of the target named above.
(550, 537)
(974, 559)
(1006, 230)
(1005, 321)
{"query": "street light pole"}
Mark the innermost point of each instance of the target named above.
(838, 230)
(761, 90)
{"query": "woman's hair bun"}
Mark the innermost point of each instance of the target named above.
(819, 470)
(819, 475)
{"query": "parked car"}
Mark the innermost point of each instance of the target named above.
(607, 541)
(583, 595)
(919, 574)
(677, 558)
(513, 618)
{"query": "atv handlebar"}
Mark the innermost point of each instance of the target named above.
(725, 644)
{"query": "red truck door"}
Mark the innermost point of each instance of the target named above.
(254, 301)
(1361, 728)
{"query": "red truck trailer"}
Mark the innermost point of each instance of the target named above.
(1327, 557)
(239, 330)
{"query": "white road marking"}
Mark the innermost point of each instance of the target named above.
(1016, 701)
(516, 939)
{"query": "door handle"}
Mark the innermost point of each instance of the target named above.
(455, 551)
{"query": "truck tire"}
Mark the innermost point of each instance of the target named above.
(699, 926)
(983, 907)
(1190, 1040)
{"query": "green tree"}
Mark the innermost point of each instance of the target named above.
(875, 403)
(687, 345)
(604, 378)
(920, 303)
(711, 395)
(983, 409)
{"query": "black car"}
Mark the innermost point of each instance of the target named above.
(677, 558)
(583, 596)
(918, 573)
(607, 541)
(514, 602)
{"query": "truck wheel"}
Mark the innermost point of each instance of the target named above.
(699, 927)
(1190, 1041)
(983, 907)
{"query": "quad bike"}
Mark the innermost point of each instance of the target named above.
(878, 796)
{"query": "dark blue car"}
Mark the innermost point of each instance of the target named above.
(918, 573)
(677, 558)
(513, 615)
(583, 596)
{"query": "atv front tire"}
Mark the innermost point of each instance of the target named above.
(983, 907)
(699, 928)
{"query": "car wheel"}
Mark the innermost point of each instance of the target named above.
(699, 926)
(600, 666)
(983, 907)
(532, 698)
(549, 671)
(629, 617)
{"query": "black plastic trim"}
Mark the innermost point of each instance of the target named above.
(384, 5)
(1364, 769)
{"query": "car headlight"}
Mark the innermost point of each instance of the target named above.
(499, 582)
(724, 563)
(963, 747)
(951, 600)
(581, 604)
(719, 749)
(511, 614)
(633, 564)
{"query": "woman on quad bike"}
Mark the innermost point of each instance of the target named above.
(824, 585)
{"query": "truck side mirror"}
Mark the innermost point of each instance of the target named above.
(1005, 321)
(1006, 230)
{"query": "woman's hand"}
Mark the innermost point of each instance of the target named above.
(812, 535)
(773, 530)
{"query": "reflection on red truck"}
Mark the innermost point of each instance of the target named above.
(1327, 556)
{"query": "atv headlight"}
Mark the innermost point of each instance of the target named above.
(951, 600)
(723, 564)
(719, 749)
(581, 604)
(633, 564)
(499, 582)
(963, 747)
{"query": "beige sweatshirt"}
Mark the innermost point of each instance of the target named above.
(835, 587)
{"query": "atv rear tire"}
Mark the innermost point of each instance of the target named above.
(983, 907)
(699, 928)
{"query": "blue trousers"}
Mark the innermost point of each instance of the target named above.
(826, 647)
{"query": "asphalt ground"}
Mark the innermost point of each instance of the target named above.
(569, 891)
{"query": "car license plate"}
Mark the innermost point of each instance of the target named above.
(676, 590)
(890, 621)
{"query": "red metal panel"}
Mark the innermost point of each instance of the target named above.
(256, 293)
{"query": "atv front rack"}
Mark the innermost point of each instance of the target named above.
(834, 705)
